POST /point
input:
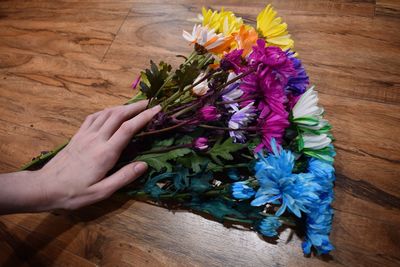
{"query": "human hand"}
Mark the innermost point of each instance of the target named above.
(75, 177)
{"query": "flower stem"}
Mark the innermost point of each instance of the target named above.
(240, 76)
(165, 149)
(162, 130)
(43, 158)
(236, 100)
(183, 111)
(226, 128)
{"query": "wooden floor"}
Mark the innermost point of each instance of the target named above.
(62, 60)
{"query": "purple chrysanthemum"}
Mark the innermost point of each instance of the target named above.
(298, 83)
(240, 119)
(232, 60)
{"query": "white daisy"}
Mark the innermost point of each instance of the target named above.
(207, 38)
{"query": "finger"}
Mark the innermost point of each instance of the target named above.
(124, 176)
(88, 121)
(127, 130)
(101, 118)
(119, 115)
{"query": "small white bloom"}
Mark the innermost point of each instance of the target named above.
(202, 88)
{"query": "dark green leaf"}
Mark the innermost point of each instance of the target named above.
(224, 150)
(159, 161)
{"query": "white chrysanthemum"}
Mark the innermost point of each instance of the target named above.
(315, 142)
(307, 105)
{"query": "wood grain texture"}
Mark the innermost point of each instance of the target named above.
(62, 60)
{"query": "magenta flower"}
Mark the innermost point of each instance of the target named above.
(209, 113)
(200, 143)
(272, 127)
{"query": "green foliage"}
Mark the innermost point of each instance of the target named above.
(163, 143)
(154, 78)
(186, 74)
(159, 161)
(139, 96)
(224, 150)
(322, 154)
(193, 161)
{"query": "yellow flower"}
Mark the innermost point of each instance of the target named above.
(273, 30)
(222, 22)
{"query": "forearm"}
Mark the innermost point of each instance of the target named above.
(21, 192)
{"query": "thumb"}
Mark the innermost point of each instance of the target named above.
(122, 177)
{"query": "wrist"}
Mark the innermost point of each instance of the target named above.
(22, 192)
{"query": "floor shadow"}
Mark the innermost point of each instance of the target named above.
(26, 249)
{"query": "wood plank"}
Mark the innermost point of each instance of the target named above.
(60, 61)
(34, 251)
(388, 8)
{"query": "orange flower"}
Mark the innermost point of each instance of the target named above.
(245, 39)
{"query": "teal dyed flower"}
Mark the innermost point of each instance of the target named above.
(269, 225)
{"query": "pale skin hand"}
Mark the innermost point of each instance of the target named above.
(76, 176)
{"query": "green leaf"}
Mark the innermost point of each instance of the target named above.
(193, 161)
(322, 154)
(307, 120)
(154, 78)
(224, 150)
(139, 96)
(186, 74)
(163, 143)
(159, 161)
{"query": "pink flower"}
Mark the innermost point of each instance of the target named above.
(135, 83)
(273, 126)
(209, 113)
(200, 143)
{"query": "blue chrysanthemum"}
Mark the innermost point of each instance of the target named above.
(319, 217)
(269, 225)
(278, 185)
(240, 190)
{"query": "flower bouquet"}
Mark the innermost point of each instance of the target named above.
(240, 135)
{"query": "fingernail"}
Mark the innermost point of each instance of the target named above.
(156, 108)
(140, 167)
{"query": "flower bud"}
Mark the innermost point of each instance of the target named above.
(202, 88)
(200, 143)
(209, 113)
